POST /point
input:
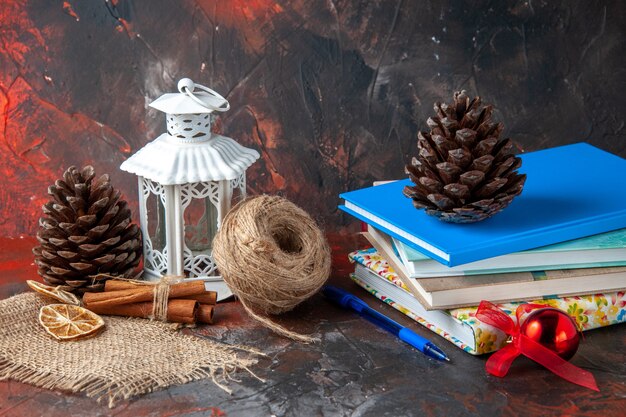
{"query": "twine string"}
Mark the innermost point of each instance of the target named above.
(161, 295)
(273, 256)
(264, 320)
(134, 280)
(160, 291)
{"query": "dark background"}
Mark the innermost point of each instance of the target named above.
(330, 92)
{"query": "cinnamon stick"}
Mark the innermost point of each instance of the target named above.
(208, 297)
(204, 313)
(140, 294)
(178, 311)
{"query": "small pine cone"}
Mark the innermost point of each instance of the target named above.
(86, 230)
(463, 171)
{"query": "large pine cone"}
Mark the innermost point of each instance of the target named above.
(463, 172)
(86, 230)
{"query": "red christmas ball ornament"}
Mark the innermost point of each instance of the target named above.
(553, 329)
(545, 330)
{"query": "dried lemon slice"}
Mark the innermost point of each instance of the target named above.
(53, 292)
(65, 321)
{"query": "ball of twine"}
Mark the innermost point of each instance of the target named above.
(273, 256)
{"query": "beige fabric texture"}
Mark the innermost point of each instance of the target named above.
(128, 358)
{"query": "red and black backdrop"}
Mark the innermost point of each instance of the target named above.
(331, 92)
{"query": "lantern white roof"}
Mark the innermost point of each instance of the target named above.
(167, 161)
(180, 103)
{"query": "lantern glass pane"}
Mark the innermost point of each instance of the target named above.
(156, 221)
(200, 225)
(237, 196)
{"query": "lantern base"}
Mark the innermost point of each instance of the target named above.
(211, 283)
(215, 283)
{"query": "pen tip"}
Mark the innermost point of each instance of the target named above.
(447, 359)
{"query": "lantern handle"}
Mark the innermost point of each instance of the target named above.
(187, 87)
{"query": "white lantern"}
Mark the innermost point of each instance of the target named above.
(188, 180)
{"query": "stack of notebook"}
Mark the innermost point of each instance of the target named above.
(562, 242)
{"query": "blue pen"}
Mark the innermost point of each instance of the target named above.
(347, 300)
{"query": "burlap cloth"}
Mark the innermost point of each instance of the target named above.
(130, 357)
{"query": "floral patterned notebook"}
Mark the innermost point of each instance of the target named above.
(459, 326)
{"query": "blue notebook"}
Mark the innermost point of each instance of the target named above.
(571, 192)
